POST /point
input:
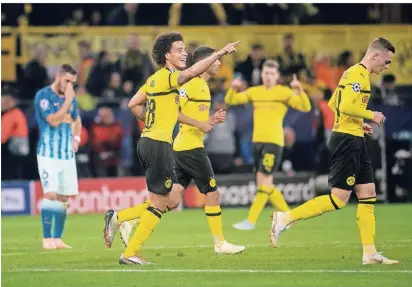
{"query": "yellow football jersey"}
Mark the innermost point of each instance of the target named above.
(195, 103)
(162, 106)
(270, 107)
(350, 99)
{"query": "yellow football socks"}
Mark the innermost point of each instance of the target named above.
(259, 203)
(148, 221)
(367, 224)
(277, 200)
(133, 212)
(214, 219)
(316, 206)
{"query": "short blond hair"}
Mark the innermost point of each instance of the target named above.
(382, 44)
(271, 64)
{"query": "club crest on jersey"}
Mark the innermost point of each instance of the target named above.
(356, 87)
(44, 104)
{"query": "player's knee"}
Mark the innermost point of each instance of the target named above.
(50, 195)
(365, 190)
(212, 198)
(62, 198)
(173, 204)
(264, 179)
(342, 195)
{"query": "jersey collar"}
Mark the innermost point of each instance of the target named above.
(362, 65)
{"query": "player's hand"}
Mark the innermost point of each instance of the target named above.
(205, 127)
(295, 84)
(237, 84)
(378, 118)
(219, 117)
(75, 145)
(69, 94)
(367, 129)
(228, 49)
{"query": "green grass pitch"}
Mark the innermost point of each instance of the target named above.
(324, 251)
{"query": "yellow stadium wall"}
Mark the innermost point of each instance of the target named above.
(309, 40)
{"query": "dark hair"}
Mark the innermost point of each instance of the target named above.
(84, 44)
(389, 78)
(162, 46)
(382, 44)
(257, 46)
(201, 53)
(66, 68)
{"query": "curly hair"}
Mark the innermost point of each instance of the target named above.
(162, 46)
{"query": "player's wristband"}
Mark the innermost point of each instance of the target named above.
(77, 138)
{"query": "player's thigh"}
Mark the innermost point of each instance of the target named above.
(270, 158)
(197, 164)
(365, 175)
(68, 179)
(158, 163)
(49, 172)
(344, 160)
(181, 168)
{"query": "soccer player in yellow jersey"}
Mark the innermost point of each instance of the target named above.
(161, 95)
(350, 166)
(271, 102)
(191, 159)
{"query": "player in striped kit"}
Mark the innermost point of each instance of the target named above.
(60, 126)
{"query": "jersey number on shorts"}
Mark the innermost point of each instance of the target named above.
(268, 161)
(150, 113)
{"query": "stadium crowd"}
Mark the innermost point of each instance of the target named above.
(104, 87)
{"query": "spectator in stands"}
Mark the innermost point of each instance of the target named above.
(114, 90)
(385, 93)
(96, 19)
(35, 74)
(99, 75)
(345, 61)
(251, 68)
(191, 47)
(128, 89)
(85, 100)
(14, 138)
(123, 15)
(197, 14)
(136, 65)
(82, 155)
(77, 18)
(220, 143)
(290, 61)
(106, 140)
(86, 62)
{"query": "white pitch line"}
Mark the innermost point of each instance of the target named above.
(207, 270)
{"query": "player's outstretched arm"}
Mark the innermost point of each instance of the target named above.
(136, 103)
(58, 117)
(203, 126)
(201, 66)
(234, 97)
(300, 100)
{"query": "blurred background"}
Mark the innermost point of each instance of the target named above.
(109, 44)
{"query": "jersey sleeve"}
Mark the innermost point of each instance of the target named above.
(43, 105)
(185, 94)
(75, 111)
(142, 89)
(234, 98)
(298, 102)
(351, 96)
(173, 79)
